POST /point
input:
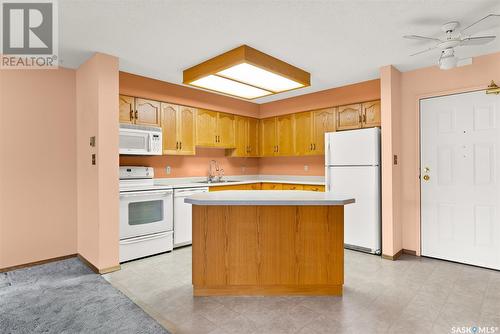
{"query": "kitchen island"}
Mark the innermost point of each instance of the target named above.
(268, 243)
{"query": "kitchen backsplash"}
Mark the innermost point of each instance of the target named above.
(188, 166)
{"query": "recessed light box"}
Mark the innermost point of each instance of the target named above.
(247, 73)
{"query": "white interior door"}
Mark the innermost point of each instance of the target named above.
(460, 192)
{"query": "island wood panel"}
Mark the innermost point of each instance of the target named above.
(267, 250)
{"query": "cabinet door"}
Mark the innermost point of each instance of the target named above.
(206, 127)
(285, 135)
(268, 137)
(147, 112)
(323, 121)
(225, 130)
(371, 114)
(240, 136)
(349, 117)
(186, 130)
(303, 133)
(253, 137)
(127, 106)
(272, 186)
(169, 128)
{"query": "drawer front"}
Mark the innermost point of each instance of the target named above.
(293, 186)
(314, 188)
(272, 186)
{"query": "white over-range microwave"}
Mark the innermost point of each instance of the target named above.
(140, 140)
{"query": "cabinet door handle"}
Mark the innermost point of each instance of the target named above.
(364, 118)
(360, 119)
(314, 147)
(180, 145)
(131, 114)
(176, 145)
(136, 114)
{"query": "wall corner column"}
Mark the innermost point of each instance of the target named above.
(390, 85)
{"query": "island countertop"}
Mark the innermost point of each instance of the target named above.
(268, 197)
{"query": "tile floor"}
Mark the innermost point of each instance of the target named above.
(411, 295)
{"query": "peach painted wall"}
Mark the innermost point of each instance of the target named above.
(390, 80)
(188, 166)
(38, 169)
(135, 85)
(359, 92)
(98, 192)
(292, 165)
(418, 84)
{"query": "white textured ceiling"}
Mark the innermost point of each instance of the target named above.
(338, 42)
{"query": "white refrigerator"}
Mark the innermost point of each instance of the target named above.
(352, 168)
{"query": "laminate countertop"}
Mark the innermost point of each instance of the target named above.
(268, 197)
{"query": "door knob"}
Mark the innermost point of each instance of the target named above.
(426, 177)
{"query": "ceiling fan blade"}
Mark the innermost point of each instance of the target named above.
(477, 40)
(423, 51)
(421, 38)
(487, 22)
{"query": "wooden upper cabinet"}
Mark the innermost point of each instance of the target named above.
(206, 127)
(371, 114)
(225, 130)
(268, 137)
(303, 133)
(169, 128)
(147, 112)
(127, 107)
(285, 135)
(253, 137)
(349, 117)
(323, 121)
(246, 132)
(240, 136)
(186, 121)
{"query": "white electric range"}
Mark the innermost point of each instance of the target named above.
(146, 214)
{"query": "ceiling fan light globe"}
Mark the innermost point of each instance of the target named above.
(448, 62)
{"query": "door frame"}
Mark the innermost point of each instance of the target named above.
(418, 219)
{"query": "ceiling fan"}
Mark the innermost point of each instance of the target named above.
(454, 38)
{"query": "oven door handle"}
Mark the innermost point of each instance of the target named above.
(146, 193)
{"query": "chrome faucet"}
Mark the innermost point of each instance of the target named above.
(214, 171)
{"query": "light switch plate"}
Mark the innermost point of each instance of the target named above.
(168, 169)
(92, 141)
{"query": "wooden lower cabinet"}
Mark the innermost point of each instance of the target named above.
(268, 186)
(268, 250)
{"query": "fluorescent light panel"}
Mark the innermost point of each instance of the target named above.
(227, 86)
(259, 77)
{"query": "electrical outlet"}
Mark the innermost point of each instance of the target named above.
(306, 168)
(93, 159)
(168, 170)
(395, 159)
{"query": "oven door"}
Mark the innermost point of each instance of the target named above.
(145, 212)
(135, 142)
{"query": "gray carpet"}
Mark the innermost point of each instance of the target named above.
(67, 297)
